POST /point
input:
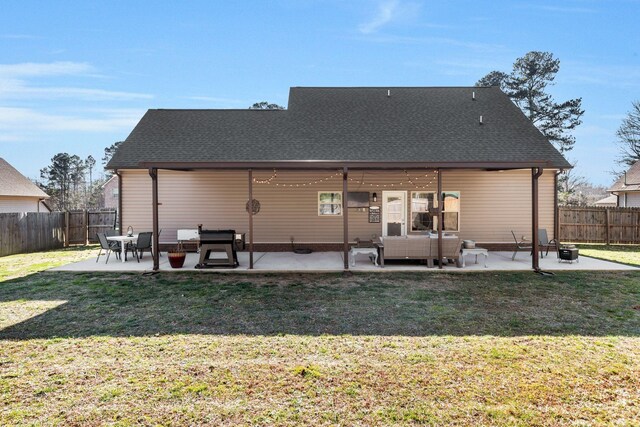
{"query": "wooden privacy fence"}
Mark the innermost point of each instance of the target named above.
(599, 225)
(33, 231)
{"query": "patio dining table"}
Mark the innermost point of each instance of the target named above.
(123, 243)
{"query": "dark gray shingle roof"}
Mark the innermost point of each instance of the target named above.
(13, 183)
(433, 124)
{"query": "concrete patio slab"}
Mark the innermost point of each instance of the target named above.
(333, 262)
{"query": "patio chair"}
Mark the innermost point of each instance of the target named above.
(142, 244)
(108, 247)
(544, 242)
(520, 244)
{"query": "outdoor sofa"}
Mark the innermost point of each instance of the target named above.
(419, 247)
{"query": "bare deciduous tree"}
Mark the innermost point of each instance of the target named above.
(628, 135)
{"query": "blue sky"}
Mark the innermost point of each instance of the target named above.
(75, 76)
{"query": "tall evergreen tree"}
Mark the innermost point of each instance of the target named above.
(527, 86)
(90, 163)
(264, 105)
(57, 177)
(108, 154)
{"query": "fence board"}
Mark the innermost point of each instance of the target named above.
(99, 222)
(599, 225)
(76, 227)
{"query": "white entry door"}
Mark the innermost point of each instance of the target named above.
(394, 213)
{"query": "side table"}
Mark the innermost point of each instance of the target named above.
(368, 251)
(476, 252)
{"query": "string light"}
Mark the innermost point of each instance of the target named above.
(273, 177)
(268, 180)
(409, 180)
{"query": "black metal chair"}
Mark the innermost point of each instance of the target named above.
(142, 244)
(545, 243)
(520, 244)
(108, 247)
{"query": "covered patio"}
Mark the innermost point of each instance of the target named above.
(265, 262)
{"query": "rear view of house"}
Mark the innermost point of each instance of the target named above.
(18, 193)
(342, 164)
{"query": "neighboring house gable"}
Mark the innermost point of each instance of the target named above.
(18, 193)
(110, 193)
(627, 187)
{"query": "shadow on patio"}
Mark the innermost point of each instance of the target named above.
(62, 304)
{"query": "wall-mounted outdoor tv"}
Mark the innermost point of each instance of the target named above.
(358, 199)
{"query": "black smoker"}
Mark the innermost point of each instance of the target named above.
(217, 242)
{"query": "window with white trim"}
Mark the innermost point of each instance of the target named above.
(329, 203)
(422, 218)
(451, 210)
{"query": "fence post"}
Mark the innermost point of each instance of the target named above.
(86, 226)
(606, 224)
(66, 229)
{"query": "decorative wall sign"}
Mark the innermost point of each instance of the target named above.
(374, 214)
(255, 206)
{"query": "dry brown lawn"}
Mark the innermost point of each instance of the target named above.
(325, 349)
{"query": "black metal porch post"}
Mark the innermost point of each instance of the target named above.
(535, 261)
(440, 217)
(153, 172)
(250, 219)
(345, 218)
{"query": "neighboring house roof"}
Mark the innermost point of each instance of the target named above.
(46, 205)
(609, 200)
(13, 183)
(630, 181)
(397, 124)
(110, 180)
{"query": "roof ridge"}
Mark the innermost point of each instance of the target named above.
(392, 87)
(210, 109)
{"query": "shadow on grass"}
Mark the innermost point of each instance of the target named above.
(409, 304)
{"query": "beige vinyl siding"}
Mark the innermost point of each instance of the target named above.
(20, 204)
(491, 203)
(630, 199)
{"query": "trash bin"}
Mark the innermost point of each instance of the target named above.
(240, 241)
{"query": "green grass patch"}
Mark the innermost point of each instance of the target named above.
(20, 265)
(624, 254)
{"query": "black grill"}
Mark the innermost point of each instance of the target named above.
(217, 242)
